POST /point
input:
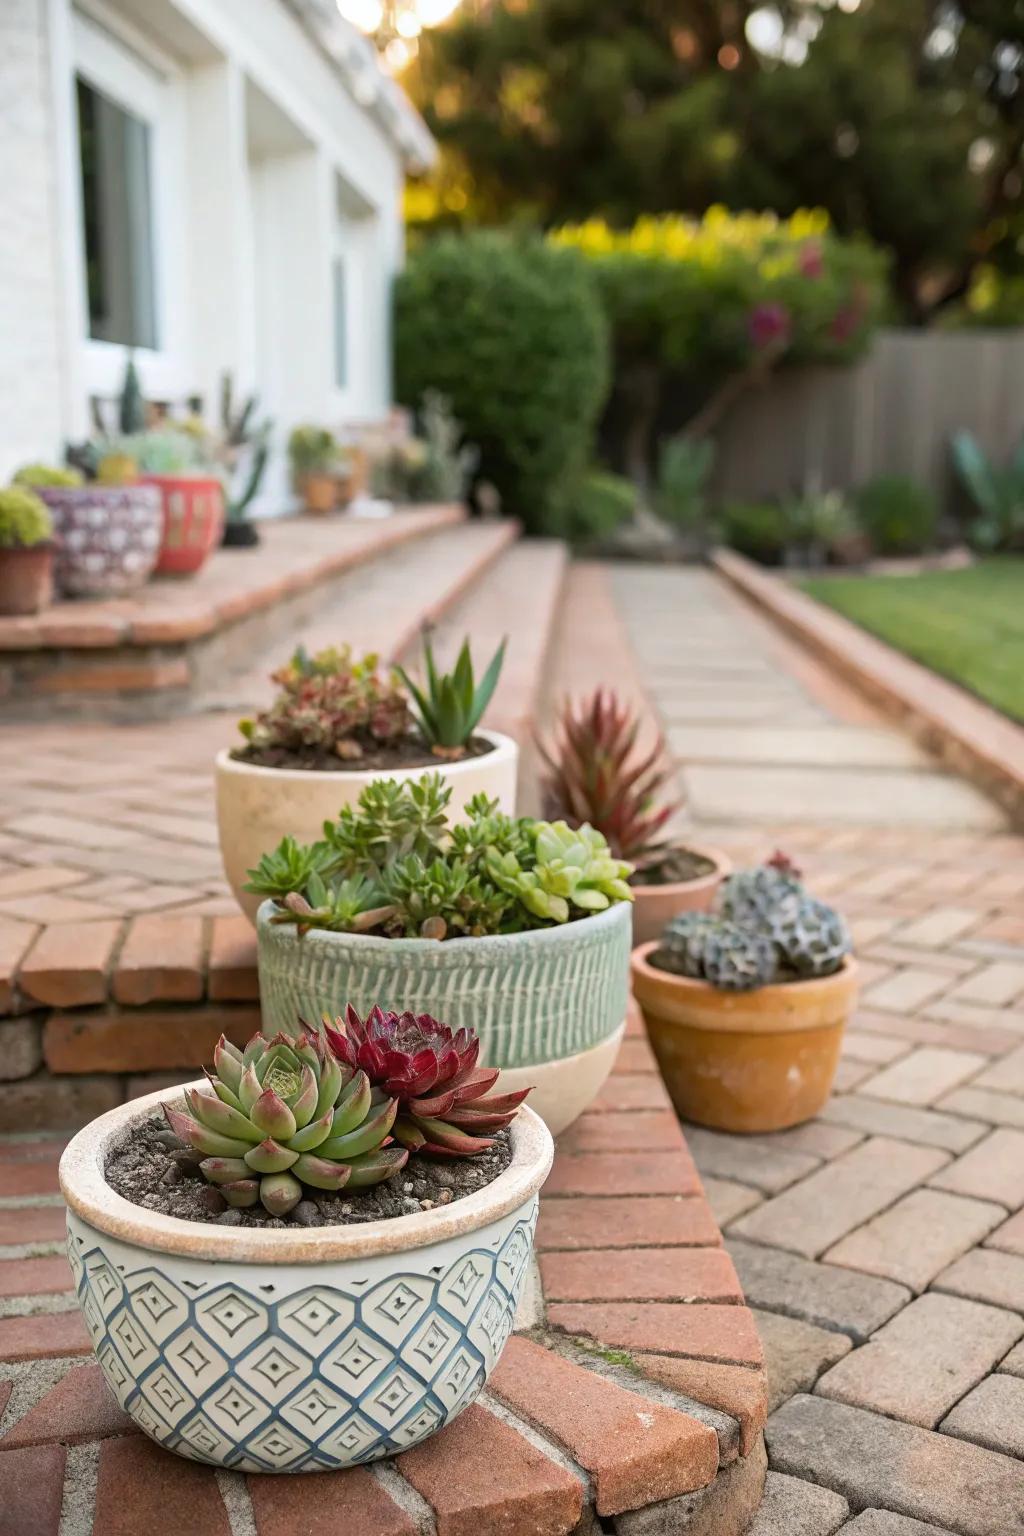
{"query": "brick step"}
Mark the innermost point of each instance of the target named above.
(573, 1434)
(518, 597)
(380, 607)
(134, 658)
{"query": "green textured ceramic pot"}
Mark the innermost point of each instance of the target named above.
(549, 1005)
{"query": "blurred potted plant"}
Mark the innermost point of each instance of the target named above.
(314, 455)
(596, 775)
(514, 928)
(338, 723)
(108, 529)
(26, 552)
(433, 466)
(243, 452)
(745, 1009)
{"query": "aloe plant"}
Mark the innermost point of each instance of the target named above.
(997, 493)
(451, 706)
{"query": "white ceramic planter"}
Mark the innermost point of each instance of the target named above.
(297, 1349)
(549, 1005)
(257, 807)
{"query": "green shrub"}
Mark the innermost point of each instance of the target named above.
(684, 465)
(24, 519)
(511, 331)
(758, 529)
(898, 515)
(597, 505)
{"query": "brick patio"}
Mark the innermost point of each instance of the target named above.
(881, 1247)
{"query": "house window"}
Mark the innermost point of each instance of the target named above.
(340, 323)
(117, 216)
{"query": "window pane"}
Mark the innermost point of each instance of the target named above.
(118, 219)
(340, 325)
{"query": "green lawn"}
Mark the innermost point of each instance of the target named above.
(968, 625)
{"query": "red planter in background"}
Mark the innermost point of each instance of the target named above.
(193, 521)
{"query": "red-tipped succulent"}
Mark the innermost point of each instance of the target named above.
(432, 1071)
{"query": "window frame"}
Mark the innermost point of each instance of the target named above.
(154, 94)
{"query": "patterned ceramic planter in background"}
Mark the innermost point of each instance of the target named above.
(297, 1349)
(549, 1005)
(193, 521)
(108, 537)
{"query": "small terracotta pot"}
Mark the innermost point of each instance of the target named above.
(26, 578)
(320, 493)
(745, 1061)
(193, 510)
(655, 905)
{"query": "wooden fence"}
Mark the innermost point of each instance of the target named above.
(893, 413)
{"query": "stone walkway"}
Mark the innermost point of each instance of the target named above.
(882, 1245)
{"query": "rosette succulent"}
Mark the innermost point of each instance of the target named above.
(570, 868)
(333, 703)
(431, 1071)
(286, 1115)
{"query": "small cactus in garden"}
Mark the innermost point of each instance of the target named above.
(766, 929)
(285, 1115)
(24, 519)
(432, 1072)
(48, 476)
(330, 702)
(595, 775)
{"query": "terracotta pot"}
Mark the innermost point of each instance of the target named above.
(193, 513)
(655, 905)
(297, 1349)
(745, 1061)
(108, 537)
(256, 806)
(26, 577)
(320, 493)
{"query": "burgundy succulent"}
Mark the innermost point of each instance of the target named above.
(432, 1071)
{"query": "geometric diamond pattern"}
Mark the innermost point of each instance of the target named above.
(266, 1379)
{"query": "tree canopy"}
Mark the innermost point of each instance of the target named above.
(904, 119)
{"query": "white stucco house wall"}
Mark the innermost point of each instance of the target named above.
(214, 183)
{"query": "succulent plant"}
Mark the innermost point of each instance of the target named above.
(47, 475)
(333, 703)
(117, 469)
(284, 1115)
(24, 518)
(312, 450)
(810, 936)
(767, 928)
(571, 867)
(432, 1072)
(489, 874)
(451, 706)
(754, 893)
(596, 775)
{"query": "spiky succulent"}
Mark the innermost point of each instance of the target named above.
(333, 703)
(451, 705)
(287, 1114)
(432, 1072)
(422, 877)
(595, 774)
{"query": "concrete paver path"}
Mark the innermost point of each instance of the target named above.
(882, 1245)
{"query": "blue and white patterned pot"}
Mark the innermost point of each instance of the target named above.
(549, 1005)
(297, 1349)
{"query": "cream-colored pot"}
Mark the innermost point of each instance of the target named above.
(257, 807)
(297, 1349)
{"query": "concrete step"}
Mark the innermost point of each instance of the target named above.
(381, 606)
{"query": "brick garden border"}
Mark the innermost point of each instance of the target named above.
(632, 1401)
(971, 737)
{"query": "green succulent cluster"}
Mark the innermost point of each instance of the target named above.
(394, 865)
(48, 476)
(766, 928)
(24, 519)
